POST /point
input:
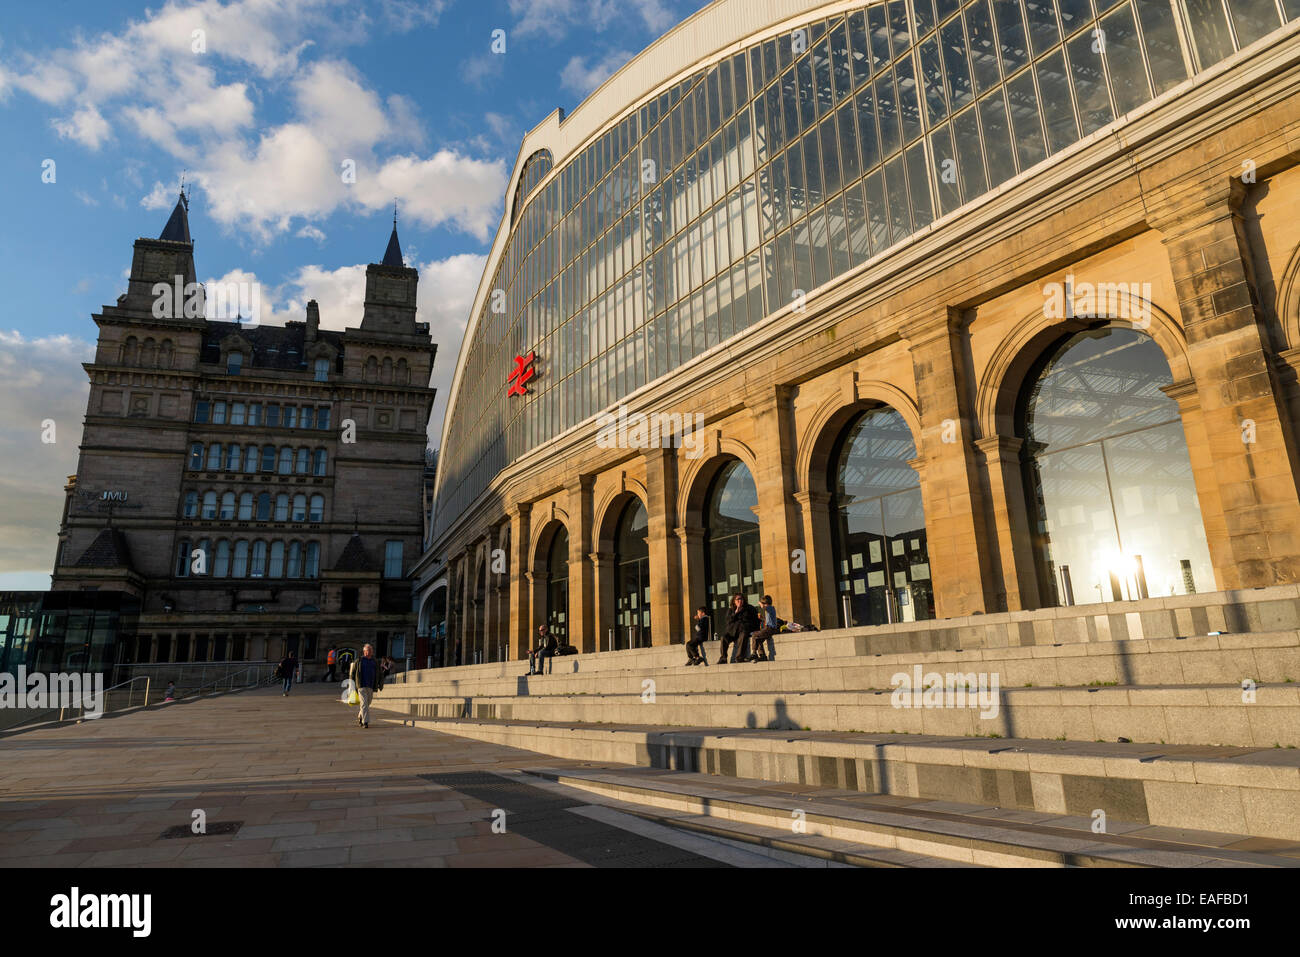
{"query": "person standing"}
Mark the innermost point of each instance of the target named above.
(288, 668)
(699, 635)
(367, 677)
(331, 660)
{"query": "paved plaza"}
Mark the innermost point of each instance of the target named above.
(306, 786)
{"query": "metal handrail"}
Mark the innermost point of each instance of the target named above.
(231, 679)
(130, 697)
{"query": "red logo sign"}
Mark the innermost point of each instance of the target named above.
(522, 373)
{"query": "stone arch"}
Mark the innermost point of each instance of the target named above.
(541, 543)
(371, 373)
(130, 351)
(1004, 375)
(611, 507)
(699, 474)
(830, 419)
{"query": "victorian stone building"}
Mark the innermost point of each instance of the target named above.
(978, 313)
(249, 488)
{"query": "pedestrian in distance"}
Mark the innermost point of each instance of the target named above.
(331, 660)
(699, 635)
(367, 677)
(288, 668)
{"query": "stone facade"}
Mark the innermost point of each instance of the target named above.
(1194, 197)
(173, 456)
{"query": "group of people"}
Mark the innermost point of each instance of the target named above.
(747, 630)
(366, 673)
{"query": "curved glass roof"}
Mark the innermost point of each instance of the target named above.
(776, 169)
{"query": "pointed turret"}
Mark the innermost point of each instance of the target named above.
(177, 229)
(390, 291)
(393, 254)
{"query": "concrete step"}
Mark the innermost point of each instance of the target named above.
(853, 829)
(826, 664)
(1233, 790)
(1189, 714)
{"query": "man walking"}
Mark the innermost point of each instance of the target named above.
(288, 668)
(367, 677)
(331, 659)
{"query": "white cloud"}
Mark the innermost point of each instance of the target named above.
(446, 188)
(555, 18)
(580, 78)
(40, 379)
(87, 126)
(160, 197)
(311, 232)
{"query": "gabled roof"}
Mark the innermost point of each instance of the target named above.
(355, 558)
(177, 229)
(108, 550)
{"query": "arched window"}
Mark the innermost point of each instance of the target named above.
(268, 458)
(557, 586)
(130, 351)
(322, 370)
(250, 459)
(317, 513)
(320, 462)
(732, 556)
(221, 566)
(295, 560)
(276, 568)
(631, 579)
(1108, 477)
(304, 461)
(282, 507)
(209, 504)
(372, 369)
(214, 456)
(191, 505)
(149, 353)
(233, 455)
(246, 506)
(403, 374)
(286, 460)
(264, 507)
(882, 565)
(258, 567)
(300, 508)
(240, 567)
(227, 506)
(313, 560)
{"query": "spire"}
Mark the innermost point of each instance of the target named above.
(177, 229)
(393, 254)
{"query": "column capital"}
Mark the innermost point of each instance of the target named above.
(810, 497)
(582, 482)
(601, 559)
(689, 535)
(1184, 393)
(995, 447)
(925, 328)
(519, 510)
(1211, 202)
(768, 399)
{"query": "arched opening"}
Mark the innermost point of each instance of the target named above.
(632, 578)
(557, 586)
(882, 564)
(1108, 480)
(478, 642)
(733, 559)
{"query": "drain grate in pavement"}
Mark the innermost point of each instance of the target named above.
(220, 827)
(543, 817)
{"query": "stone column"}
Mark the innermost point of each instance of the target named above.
(955, 524)
(780, 521)
(536, 608)
(823, 596)
(582, 632)
(1243, 418)
(602, 567)
(1011, 519)
(694, 587)
(666, 613)
(520, 611)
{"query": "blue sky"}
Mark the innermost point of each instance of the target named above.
(260, 101)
